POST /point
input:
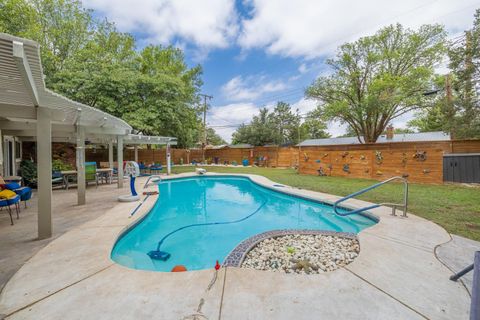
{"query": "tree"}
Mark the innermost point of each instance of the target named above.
(313, 127)
(402, 130)
(281, 126)
(213, 138)
(285, 124)
(457, 110)
(91, 62)
(378, 78)
(260, 131)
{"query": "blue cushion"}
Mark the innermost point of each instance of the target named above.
(12, 186)
(13, 200)
(3, 202)
(25, 193)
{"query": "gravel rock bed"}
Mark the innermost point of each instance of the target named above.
(302, 254)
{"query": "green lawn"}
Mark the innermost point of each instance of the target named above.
(456, 208)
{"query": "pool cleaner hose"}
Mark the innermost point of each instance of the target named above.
(164, 256)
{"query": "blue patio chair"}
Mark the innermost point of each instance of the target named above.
(156, 168)
(58, 179)
(25, 193)
(8, 202)
(142, 167)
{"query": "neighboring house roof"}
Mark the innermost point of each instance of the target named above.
(240, 146)
(398, 137)
(219, 147)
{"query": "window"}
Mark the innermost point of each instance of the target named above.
(18, 146)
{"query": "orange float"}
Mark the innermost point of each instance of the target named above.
(179, 268)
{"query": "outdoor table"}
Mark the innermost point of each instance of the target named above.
(103, 172)
(106, 173)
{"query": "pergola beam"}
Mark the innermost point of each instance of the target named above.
(25, 126)
(11, 111)
(24, 69)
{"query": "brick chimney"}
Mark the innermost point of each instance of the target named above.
(390, 132)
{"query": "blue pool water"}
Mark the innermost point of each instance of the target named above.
(200, 200)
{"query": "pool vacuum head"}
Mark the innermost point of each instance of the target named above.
(159, 255)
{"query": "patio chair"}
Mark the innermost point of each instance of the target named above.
(91, 173)
(58, 179)
(155, 168)
(25, 193)
(7, 198)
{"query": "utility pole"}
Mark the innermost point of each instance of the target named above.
(204, 142)
(450, 110)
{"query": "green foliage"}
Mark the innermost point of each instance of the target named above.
(59, 165)
(213, 138)
(281, 126)
(91, 62)
(28, 171)
(378, 78)
(459, 115)
(290, 250)
(403, 130)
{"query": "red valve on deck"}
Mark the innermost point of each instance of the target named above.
(217, 265)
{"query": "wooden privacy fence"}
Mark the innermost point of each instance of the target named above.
(419, 161)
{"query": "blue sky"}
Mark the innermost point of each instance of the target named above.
(256, 52)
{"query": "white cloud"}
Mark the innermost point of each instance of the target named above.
(302, 68)
(230, 115)
(205, 24)
(250, 88)
(312, 28)
(304, 105)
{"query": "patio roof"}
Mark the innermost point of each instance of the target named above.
(32, 112)
(141, 139)
(22, 88)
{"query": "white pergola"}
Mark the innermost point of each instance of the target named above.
(137, 139)
(32, 112)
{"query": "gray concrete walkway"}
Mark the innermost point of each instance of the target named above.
(19, 242)
(457, 254)
(396, 276)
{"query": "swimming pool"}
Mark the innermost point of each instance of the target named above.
(207, 199)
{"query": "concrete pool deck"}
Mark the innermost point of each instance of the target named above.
(396, 276)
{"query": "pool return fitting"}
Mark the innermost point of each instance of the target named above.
(164, 256)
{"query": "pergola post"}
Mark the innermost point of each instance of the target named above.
(81, 185)
(110, 154)
(169, 168)
(44, 164)
(135, 149)
(120, 161)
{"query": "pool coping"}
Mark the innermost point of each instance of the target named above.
(31, 289)
(238, 254)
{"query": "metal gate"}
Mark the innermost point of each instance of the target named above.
(461, 167)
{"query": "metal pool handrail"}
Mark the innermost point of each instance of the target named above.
(150, 178)
(394, 205)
